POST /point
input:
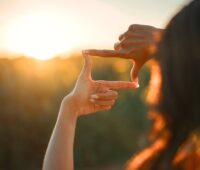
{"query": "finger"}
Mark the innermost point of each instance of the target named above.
(105, 53)
(109, 95)
(117, 46)
(134, 27)
(131, 44)
(121, 37)
(131, 34)
(134, 72)
(117, 85)
(103, 102)
(87, 68)
(101, 108)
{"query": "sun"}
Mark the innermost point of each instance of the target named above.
(40, 36)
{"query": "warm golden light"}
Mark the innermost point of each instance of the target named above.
(41, 36)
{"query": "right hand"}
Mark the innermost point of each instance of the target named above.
(138, 43)
(90, 95)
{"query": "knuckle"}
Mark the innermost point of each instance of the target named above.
(133, 26)
(124, 43)
(127, 34)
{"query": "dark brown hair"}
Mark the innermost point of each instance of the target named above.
(178, 105)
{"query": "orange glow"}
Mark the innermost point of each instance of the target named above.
(121, 66)
(43, 28)
(146, 154)
(153, 95)
(40, 36)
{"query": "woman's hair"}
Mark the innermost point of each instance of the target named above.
(176, 110)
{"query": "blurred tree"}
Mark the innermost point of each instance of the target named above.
(30, 96)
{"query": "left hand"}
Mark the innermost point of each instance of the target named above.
(139, 43)
(90, 96)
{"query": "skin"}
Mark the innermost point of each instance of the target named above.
(138, 43)
(87, 97)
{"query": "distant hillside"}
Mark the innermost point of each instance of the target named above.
(8, 54)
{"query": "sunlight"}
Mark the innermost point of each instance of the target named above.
(41, 36)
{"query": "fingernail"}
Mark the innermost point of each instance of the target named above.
(136, 83)
(94, 96)
(92, 100)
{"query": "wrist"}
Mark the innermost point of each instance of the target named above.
(68, 108)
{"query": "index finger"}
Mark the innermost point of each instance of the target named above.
(105, 53)
(117, 85)
(87, 68)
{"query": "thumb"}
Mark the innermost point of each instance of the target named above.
(135, 71)
(87, 68)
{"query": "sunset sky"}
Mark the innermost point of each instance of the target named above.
(44, 28)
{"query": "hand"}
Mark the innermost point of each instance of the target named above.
(91, 96)
(138, 43)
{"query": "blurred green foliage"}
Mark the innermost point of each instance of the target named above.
(30, 95)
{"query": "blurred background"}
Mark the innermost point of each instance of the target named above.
(40, 58)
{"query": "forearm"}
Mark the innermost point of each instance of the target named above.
(59, 154)
(81, 101)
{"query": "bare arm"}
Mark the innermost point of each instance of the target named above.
(88, 96)
(59, 155)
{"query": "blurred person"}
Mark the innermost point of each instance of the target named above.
(174, 88)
